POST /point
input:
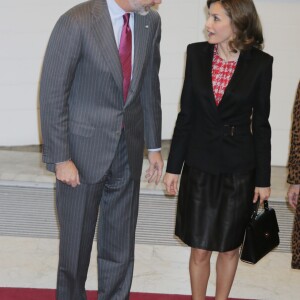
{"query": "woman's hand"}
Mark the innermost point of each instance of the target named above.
(263, 193)
(293, 194)
(171, 183)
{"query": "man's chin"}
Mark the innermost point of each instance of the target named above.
(143, 11)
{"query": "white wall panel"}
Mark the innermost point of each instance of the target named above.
(20, 71)
(171, 90)
(18, 97)
(21, 45)
(280, 147)
(169, 114)
(172, 66)
(20, 123)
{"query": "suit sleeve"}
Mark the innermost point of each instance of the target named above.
(150, 95)
(294, 157)
(61, 58)
(261, 126)
(183, 125)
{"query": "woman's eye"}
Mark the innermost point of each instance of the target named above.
(216, 18)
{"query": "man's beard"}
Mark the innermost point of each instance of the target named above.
(138, 8)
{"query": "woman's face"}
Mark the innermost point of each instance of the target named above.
(218, 25)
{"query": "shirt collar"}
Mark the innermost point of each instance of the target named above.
(115, 10)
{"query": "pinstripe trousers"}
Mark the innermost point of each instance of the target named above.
(117, 196)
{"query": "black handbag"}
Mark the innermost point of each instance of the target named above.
(261, 234)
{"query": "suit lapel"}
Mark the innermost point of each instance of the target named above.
(103, 30)
(141, 33)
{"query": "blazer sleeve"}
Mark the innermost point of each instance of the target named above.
(294, 157)
(261, 127)
(183, 123)
(150, 94)
(61, 58)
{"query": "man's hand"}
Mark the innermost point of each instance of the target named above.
(263, 193)
(293, 194)
(154, 172)
(67, 173)
(171, 183)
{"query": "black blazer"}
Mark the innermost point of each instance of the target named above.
(203, 136)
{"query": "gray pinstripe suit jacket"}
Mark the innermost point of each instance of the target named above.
(81, 102)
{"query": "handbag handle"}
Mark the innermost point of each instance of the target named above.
(266, 205)
(256, 207)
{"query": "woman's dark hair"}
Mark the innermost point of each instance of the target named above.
(245, 21)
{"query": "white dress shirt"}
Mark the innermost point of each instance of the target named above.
(116, 16)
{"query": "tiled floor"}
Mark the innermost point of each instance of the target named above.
(31, 262)
(27, 262)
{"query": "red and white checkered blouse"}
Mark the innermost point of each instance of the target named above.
(222, 72)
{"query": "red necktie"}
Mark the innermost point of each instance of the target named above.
(125, 54)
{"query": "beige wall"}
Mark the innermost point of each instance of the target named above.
(25, 27)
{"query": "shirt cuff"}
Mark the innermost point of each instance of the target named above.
(153, 150)
(61, 162)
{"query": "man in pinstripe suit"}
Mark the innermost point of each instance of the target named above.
(94, 137)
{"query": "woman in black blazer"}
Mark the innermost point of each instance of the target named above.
(222, 141)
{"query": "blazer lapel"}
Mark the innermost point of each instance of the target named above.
(206, 69)
(104, 33)
(240, 70)
(141, 34)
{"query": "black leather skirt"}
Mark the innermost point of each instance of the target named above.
(213, 210)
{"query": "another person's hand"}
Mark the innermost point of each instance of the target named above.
(293, 194)
(171, 183)
(156, 164)
(263, 193)
(67, 173)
